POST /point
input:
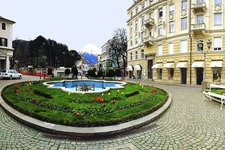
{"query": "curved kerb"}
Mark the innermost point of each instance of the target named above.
(85, 131)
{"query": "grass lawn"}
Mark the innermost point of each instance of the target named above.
(113, 107)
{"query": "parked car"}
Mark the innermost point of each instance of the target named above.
(10, 74)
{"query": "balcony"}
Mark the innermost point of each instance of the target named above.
(199, 7)
(148, 41)
(149, 22)
(198, 28)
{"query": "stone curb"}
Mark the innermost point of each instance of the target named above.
(85, 131)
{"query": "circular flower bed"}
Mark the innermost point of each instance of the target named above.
(86, 110)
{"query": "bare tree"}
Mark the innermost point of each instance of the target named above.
(118, 47)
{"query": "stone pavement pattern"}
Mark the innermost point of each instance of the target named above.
(188, 124)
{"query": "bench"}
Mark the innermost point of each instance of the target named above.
(213, 96)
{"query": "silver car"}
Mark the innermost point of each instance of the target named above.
(10, 74)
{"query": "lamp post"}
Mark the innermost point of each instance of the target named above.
(16, 63)
(204, 82)
(44, 60)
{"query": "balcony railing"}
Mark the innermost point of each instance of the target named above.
(149, 22)
(199, 7)
(148, 40)
(198, 28)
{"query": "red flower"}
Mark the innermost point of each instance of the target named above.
(102, 100)
(153, 91)
(77, 114)
(98, 98)
(17, 91)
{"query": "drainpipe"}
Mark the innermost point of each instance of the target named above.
(190, 37)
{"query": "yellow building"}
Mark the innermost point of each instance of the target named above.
(177, 41)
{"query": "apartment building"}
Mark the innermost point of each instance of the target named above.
(6, 50)
(107, 59)
(177, 41)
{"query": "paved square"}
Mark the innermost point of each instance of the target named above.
(188, 124)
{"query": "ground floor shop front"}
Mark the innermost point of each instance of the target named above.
(180, 69)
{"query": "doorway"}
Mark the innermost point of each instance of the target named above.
(130, 74)
(2, 64)
(139, 72)
(183, 75)
(150, 64)
(199, 75)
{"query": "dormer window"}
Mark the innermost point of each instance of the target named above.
(3, 26)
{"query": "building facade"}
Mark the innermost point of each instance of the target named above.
(82, 66)
(177, 41)
(107, 59)
(6, 50)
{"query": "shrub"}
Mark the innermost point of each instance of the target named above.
(40, 93)
(91, 72)
(74, 71)
(67, 71)
(100, 73)
(118, 72)
(110, 73)
(132, 94)
(49, 71)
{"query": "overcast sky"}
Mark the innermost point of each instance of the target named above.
(72, 22)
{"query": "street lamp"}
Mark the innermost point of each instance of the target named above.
(44, 60)
(16, 63)
(204, 83)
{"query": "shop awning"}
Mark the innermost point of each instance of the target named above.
(198, 64)
(137, 68)
(181, 65)
(214, 64)
(156, 66)
(169, 65)
(130, 68)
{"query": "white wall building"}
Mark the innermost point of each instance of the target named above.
(6, 50)
(104, 59)
(82, 66)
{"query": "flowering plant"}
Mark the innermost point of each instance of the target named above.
(78, 114)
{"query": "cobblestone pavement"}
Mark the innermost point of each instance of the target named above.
(188, 124)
